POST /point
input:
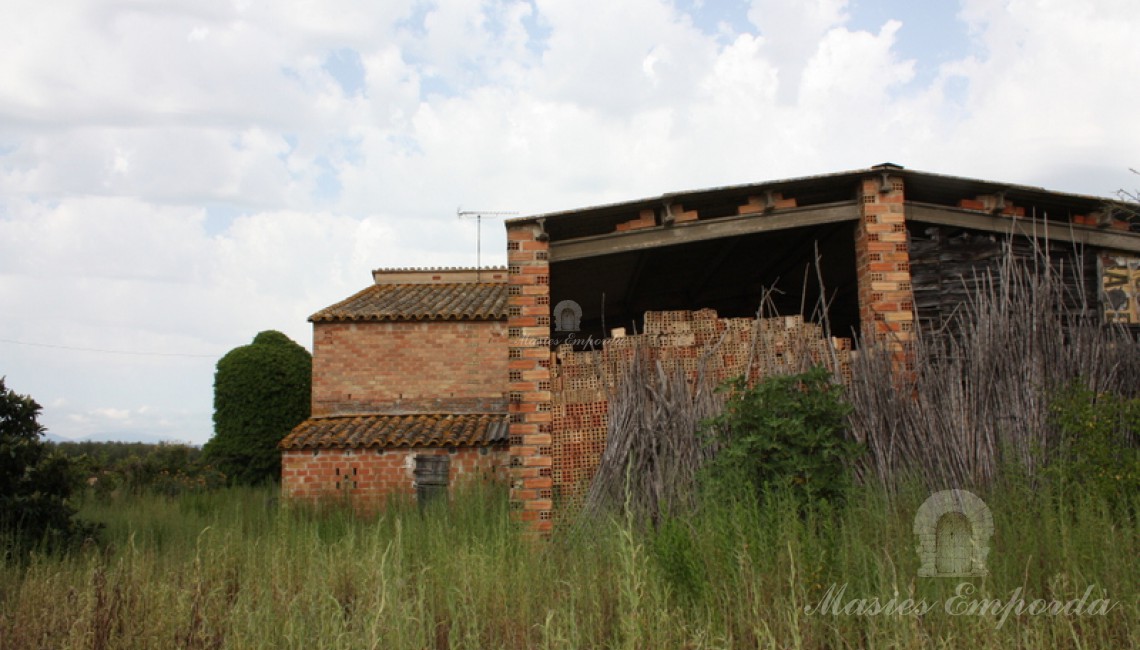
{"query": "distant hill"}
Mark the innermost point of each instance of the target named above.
(120, 436)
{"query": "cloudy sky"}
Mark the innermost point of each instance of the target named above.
(177, 175)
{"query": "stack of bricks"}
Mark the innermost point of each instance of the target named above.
(992, 203)
(580, 419)
(678, 341)
(528, 253)
(882, 266)
(648, 218)
(766, 203)
(645, 219)
(1100, 220)
(681, 215)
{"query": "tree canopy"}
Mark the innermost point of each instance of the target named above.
(35, 482)
(261, 391)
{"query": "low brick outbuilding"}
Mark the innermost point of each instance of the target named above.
(409, 389)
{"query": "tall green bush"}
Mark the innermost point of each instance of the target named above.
(36, 483)
(1099, 443)
(785, 433)
(261, 391)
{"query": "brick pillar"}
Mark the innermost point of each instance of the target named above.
(528, 321)
(882, 265)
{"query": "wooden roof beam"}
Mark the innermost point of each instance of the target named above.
(1040, 228)
(685, 233)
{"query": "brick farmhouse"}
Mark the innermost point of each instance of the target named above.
(397, 366)
(409, 373)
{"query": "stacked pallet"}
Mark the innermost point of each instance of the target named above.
(1121, 288)
(692, 342)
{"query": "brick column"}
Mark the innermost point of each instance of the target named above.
(528, 320)
(882, 266)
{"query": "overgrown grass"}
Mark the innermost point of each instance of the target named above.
(229, 569)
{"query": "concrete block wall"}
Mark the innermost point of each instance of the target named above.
(882, 266)
(370, 476)
(418, 366)
(530, 397)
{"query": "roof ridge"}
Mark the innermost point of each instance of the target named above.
(458, 301)
(433, 269)
(369, 414)
(379, 430)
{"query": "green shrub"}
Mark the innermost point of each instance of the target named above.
(36, 482)
(785, 433)
(678, 557)
(261, 391)
(1097, 448)
(167, 467)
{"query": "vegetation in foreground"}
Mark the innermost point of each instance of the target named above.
(227, 569)
(787, 552)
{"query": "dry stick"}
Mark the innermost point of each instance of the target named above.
(985, 377)
(970, 401)
(653, 451)
(825, 311)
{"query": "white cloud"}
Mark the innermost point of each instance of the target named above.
(791, 33)
(127, 129)
(112, 413)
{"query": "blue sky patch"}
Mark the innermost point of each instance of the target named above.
(538, 31)
(345, 66)
(931, 32)
(219, 216)
(710, 16)
(328, 181)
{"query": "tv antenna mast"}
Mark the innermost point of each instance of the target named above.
(478, 216)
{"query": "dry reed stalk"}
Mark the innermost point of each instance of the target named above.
(654, 450)
(979, 397)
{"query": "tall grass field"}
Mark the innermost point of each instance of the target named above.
(231, 569)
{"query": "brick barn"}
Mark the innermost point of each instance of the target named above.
(409, 389)
(893, 245)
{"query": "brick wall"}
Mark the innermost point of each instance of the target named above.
(421, 366)
(370, 477)
(882, 265)
(529, 364)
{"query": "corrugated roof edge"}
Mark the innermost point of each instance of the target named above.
(877, 169)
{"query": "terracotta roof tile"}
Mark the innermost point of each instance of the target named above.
(444, 301)
(386, 431)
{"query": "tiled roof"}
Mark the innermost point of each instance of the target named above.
(444, 301)
(386, 431)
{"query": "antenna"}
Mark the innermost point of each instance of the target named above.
(478, 215)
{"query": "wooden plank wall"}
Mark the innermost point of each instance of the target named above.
(947, 264)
